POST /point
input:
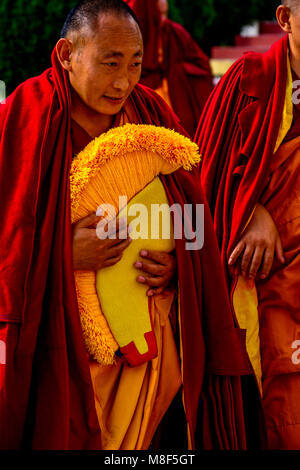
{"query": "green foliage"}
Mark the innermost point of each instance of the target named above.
(29, 29)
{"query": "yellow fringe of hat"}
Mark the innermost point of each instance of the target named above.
(168, 144)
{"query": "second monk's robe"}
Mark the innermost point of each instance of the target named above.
(249, 158)
(279, 300)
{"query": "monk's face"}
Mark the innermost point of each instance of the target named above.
(295, 28)
(163, 6)
(288, 17)
(105, 68)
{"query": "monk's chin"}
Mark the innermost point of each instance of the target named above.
(111, 106)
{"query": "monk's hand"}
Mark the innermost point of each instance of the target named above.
(89, 252)
(158, 270)
(258, 246)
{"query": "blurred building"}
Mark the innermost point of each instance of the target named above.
(255, 38)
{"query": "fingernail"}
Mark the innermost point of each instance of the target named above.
(230, 261)
(150, 293)
(263, 276)
(141, 279)
(138, 265)
(144, 253)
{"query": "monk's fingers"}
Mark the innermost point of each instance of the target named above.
(279, 250)
(236, 252)
(152, 292)
(90, 221)
(111, 262)
(119, 240)
(115, 229)
(151, 281)
(120, 226)
(104, 251)
(247, 257)
(113, 239)
(151, 268)
(159, 264)
(160, 257)
(115, 250)
(267, 263)
(256, 261)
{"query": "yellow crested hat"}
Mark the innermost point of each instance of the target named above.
(125, 161)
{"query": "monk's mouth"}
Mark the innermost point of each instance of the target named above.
(114, 100)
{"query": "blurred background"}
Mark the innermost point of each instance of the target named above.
(29, 30)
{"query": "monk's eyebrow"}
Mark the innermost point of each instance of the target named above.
(112, 54)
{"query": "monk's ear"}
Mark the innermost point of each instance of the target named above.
(64, 50)
(283, 14)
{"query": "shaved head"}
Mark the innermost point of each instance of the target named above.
(101, 49)
(292, 4)
(85, 15)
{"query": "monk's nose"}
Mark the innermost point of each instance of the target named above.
(121, 83)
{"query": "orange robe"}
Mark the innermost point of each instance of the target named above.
(279, 305)
(131, 401)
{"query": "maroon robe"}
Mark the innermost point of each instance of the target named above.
(237, 135)
(184, 64)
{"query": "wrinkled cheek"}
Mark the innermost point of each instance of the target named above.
(93, 97)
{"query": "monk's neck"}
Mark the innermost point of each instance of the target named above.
(295, 59)
(91, 121)
(93, 126)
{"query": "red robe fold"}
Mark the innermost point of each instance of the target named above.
(237, 135)
(46, 396)
(183, 63)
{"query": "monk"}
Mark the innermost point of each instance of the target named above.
(174, 65)
(249, 137)
(52, 394)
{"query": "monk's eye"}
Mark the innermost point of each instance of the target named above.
(137, 64)
(110, 64)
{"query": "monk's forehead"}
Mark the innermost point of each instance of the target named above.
(113, 31)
